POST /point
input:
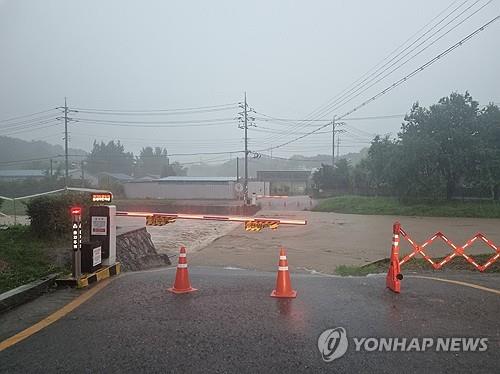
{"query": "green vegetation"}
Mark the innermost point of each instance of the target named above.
(359, 271)
(112, 157)
(38, 152)
(23, 258)
(449, 150)
(7, 207)
(416, 264)
(393, 206)
(50, 215)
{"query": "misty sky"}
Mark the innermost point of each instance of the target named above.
(289, 56)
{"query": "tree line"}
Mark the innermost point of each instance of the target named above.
(112, 157)
(440, 151)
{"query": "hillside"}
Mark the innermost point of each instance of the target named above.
(297, 162)
(13, 149)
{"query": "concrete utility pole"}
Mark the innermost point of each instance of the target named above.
(333, 141)
(83, 173)
(66, 174)
(335, 130)
(338, 147)
(245, 182)
(237, 169)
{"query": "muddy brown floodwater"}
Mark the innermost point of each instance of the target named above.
(328, 240)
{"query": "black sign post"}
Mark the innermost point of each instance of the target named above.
(76, 215)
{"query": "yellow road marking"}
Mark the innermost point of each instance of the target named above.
(472, 285)
(54, 316)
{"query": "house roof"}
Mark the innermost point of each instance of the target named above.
(197, 179)
(117, 176)
(22, 173)
(182, 179)
(283, 175)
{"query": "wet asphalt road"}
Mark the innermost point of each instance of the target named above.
(231, 324)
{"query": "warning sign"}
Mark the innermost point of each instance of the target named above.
(99, 226)
(96, 256)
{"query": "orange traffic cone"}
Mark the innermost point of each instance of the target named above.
(283, 283)
(182, 284)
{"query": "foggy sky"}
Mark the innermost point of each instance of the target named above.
(289, 56)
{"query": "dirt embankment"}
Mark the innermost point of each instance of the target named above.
(135, 251)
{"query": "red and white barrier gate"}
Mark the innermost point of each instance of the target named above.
(251, 223)
(394, 276)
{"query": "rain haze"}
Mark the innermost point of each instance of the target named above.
(290, 58)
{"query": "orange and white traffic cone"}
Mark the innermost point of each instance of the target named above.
(394, 276)
(283, 283)
(182, 284)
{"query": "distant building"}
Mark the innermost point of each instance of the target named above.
(16, 175)
(76, 174)
(105, 178)
(185, 188)
(286, 182)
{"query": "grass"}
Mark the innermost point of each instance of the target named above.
(7, 207)
(417, 264)
(23, 258)
(392, 206)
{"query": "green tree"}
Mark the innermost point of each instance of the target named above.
(173, 169)
(487, 161)
(439, 143)
(330, 178)
(152, 161)
(451, 144)
(110, 157)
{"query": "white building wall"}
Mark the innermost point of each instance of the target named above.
(142, 190)
(180, 190)
(259, 188)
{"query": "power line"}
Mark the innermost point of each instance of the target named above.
(388, 57)
(26, 123)
(321, 109)
(397, 83)
(38, 126)
(26, 115)
(201, 111)
(156, 110)
(191, 123)
(330, 107)
(373, 81)
(388, 116)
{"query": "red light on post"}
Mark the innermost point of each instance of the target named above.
(76, 211)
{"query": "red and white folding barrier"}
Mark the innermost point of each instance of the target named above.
(394, 276)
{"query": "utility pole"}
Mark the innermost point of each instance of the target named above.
(335, 130)
(338, 146)
(244, 122)
(83, 173)
(333, 141)
(245, 183)
(237, 169)
(51, 168)
(66, 142)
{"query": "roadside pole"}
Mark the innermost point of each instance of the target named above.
(76, 215)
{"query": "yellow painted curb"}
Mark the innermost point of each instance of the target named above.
(53, 317)
(472, 285)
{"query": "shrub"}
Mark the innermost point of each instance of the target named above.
(51, 217)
